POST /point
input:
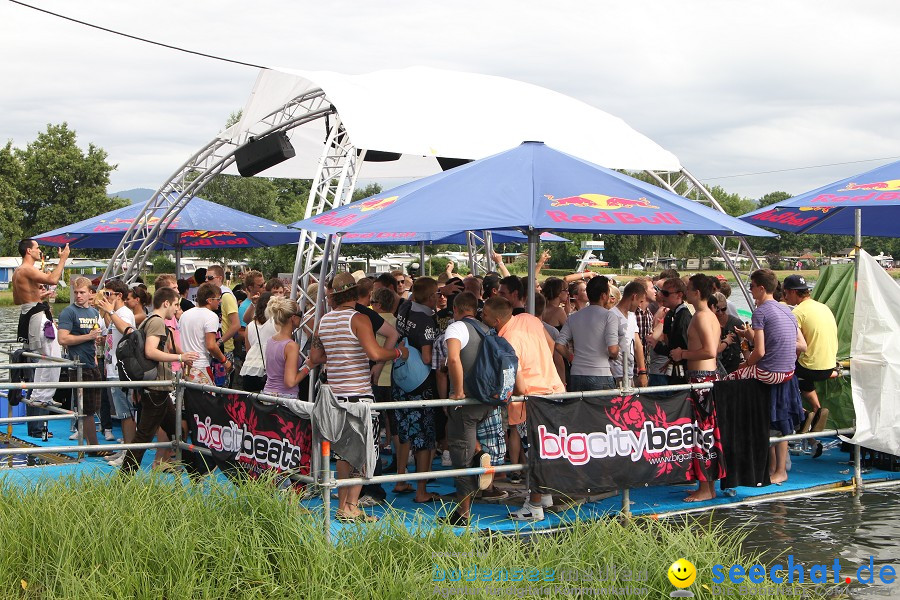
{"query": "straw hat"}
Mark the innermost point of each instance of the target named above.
(343, 282)
(359, 274)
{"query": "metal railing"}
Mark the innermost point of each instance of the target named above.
(324, 477)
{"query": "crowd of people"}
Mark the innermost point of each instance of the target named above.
(587, 332)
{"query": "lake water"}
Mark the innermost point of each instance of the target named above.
(814, 530)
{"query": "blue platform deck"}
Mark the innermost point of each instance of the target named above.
(831, 471)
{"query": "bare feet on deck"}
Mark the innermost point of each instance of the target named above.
(778, 478)
(706, 491)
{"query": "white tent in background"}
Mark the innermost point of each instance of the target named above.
(424, 113)
(874, 378)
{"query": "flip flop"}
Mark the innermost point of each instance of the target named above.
(432, 497)
(360, 518)
(807, 422)
(819, 420)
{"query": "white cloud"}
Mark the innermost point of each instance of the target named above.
(730, 87)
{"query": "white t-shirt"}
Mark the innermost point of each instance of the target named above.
(457, 330)
(113, 337)
(628, 327)
(258, 337)
(195, 324)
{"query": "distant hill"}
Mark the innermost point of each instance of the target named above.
(136, 196)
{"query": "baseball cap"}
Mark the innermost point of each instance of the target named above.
(795, 282)
(343, 282)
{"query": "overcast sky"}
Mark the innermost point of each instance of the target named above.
(729, 87)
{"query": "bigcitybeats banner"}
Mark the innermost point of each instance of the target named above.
(246, 433)
(601, 444)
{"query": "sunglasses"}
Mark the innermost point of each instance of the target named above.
(720, 310)
(109, 293)
(210, 277)
(216, 298)
(667, 293)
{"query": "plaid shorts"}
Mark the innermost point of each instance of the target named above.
(490, 434)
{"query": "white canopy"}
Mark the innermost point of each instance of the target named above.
(424, 113)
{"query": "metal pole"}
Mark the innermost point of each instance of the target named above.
(86, 448)
(626, 371)
(325, 457)
(533, 239)
(79, 404)
(857, 242)
(421, 258)
(179, 409)
(626, 503)
(177, 262)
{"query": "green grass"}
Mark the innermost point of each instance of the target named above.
(153, 537)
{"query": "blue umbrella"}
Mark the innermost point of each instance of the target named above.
(201, 225)
(500, 236)
(530, 186)
(830, 209)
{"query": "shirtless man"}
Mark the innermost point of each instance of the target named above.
(28, 278)
(30, 291)
(702, 343)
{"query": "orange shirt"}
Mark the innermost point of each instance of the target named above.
(526, 334)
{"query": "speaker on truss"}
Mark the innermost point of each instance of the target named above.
(258, 154)
(451, 163)
(379, 156)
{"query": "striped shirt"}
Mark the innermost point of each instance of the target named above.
(347, 363)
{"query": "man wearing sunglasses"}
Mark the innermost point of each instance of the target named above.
(700, 356)
(675, 324)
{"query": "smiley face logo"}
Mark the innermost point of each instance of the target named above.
(682, 573)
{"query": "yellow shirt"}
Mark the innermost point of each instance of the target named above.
(817, 323)
(229, 307)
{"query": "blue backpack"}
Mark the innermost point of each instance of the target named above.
(493, 375)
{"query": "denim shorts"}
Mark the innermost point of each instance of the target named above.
(587, 383)
(123, 408)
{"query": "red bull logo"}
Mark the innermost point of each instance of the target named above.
(376, 203)
(600, 202)
(821, 209)
(890, 184)
(201, 234)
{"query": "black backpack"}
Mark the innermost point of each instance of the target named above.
(493, 375)
(131, 359)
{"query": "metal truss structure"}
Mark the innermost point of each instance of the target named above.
(735, 251)
(168, 201)
(333, 186)
(481, 252)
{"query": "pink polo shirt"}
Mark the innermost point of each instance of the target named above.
(526, 334)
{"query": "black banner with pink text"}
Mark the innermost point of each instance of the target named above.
(247, 434)
(602, 444)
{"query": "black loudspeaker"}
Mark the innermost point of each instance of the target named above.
(379, 156)
(258, 154)
(451, 163)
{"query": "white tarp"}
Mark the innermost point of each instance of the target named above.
(874, 363)
(424, 113)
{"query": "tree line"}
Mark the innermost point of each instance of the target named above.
(52, 181)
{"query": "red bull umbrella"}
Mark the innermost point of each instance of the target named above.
(830, 209)
(499, 236)
(530, 186)
(200, 225)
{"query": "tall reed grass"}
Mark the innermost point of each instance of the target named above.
(155, 537)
